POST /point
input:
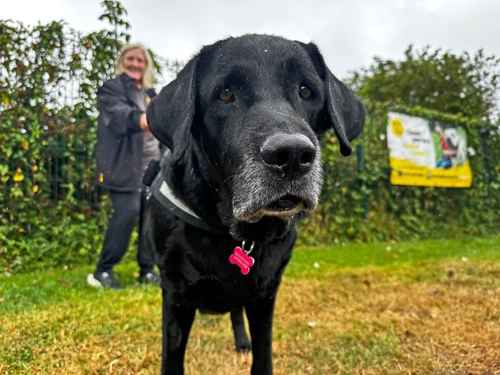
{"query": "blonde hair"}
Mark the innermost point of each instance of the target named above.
(148, 78)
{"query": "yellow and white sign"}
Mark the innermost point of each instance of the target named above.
(424, 153)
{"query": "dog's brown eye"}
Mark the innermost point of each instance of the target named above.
(305, 92)
(226, 96)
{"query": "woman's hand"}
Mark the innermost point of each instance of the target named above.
(143, 123)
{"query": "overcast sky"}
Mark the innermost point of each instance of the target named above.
(348, 32)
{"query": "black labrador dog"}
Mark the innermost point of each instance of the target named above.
(243, 121)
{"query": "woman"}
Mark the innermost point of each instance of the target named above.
(124, 148)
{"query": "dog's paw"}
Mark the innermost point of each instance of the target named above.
(244, 346)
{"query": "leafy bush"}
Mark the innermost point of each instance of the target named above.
(434, 79)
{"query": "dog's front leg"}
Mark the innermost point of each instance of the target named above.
(177, 322)
(260, 321)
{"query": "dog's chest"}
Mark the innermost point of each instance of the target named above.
(199, 272)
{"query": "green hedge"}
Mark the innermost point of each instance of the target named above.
(54, 218)
(48, 201)
(50, 211)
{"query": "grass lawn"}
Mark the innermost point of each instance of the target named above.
(427, 307)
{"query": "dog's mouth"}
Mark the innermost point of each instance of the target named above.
(284, 207)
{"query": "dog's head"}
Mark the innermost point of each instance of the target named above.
(254, 108)
(452, 137)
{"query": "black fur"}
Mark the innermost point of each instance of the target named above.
(217, 168)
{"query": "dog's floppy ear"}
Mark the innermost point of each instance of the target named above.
(171, 113)
(343, 111)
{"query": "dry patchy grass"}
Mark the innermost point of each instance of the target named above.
(435, 318)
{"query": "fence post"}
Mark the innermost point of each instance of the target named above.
(483, 134)
(360, 166)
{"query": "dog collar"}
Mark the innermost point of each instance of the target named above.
(164, 194)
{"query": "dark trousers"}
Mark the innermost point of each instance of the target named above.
(126, 207)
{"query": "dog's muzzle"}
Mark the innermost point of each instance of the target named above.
(283, 180)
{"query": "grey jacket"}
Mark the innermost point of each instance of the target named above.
(119, 149)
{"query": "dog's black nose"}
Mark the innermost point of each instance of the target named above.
(290, 155)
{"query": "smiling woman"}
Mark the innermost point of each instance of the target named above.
(136, 62)
(125, 146)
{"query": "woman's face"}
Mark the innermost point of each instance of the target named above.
(134, 64)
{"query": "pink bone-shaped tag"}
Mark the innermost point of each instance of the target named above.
(241, 259)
